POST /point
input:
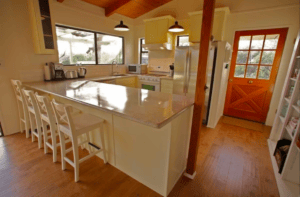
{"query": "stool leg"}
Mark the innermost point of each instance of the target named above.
(76, 157)
(32, 125)
(27, 121)
(103, 143)
(63, 149)
(89, 140)
(45, 136)
(20, 116)
(54, 143)
(39, 131)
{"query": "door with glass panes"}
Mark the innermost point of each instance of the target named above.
(254, 65)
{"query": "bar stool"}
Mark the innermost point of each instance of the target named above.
(23, 111)
(34, 116)
(48, 118)
(74, 126)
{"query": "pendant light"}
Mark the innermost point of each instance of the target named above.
(121, 27)
(176, 28)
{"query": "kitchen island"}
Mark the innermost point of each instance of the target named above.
(147, 133)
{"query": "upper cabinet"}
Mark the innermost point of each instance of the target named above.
(218, 25)
(156, 30)
(42, 29)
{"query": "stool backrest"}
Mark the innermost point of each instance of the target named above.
(44, 107)
(63, 115)
(31, 102)
(17, 86)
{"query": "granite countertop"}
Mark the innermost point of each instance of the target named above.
(154, 109)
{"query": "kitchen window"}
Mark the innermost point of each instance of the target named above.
(183, 40)
(144, 55)
(77, 46)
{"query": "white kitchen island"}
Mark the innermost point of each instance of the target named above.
(147, 133)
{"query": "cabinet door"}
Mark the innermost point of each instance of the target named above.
(150, 32)
(195, 28)
(128, 82)
(162, 30)
(166, 86)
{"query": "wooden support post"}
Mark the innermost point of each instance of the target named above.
(207, 25)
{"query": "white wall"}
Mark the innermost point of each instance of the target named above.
(16, 48)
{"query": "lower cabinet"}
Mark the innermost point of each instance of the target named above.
(127, 81)
(166, 85)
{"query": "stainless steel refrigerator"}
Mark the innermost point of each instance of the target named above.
(185, 72)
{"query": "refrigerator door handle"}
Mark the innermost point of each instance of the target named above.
(188, 72)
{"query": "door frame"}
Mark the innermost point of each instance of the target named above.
(276, 64)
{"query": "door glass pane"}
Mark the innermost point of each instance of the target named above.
(268, 57)
(251, 71)
(271, 41)
(144, 58)
(239, 71)
(244, 42)
(242, 57)
(254, 57)
(257, 42)
(264, 72)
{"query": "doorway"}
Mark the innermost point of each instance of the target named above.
(255, 61)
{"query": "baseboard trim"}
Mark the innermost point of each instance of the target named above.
(190, 176)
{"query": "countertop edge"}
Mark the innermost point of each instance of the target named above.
(157, 126)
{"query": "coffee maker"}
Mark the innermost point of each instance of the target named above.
(57, 71)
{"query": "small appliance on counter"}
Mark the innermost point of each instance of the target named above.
(71, 74)
(171, 70)
(82, 72)
(57, 71)
(137, 68)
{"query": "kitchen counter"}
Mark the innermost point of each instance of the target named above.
(151, 108)
(147, 133)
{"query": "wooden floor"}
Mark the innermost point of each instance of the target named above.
(233, 161)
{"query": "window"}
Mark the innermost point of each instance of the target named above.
(143, 52)
(183, 41)
(77, 46)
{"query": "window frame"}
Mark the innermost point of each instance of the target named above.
(141, 50)
(95, 44)
(178, 37)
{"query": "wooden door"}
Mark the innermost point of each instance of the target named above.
(254, 65)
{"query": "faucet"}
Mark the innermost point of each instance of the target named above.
(114, 62)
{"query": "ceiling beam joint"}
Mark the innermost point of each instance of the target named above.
(115, 7)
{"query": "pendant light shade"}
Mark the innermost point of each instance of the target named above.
(176, 28)
(121, 27)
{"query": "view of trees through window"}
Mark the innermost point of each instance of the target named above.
(255, 56)
(78, 47)
(144, 55)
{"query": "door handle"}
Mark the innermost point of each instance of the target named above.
(250, 81)
(230, 80)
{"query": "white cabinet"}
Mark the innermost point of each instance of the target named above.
(166, 85)
(127, 81)
(42, 27)
(218, 24)
(156, 30)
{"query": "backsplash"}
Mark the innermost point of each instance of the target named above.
(92, 71)
(159, 61)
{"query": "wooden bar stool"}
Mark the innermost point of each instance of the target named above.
(23, 111)
(48, 119)
(34, 116)
(74, 126)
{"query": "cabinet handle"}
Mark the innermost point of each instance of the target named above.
(250, 81)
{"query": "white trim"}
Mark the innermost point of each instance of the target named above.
(159, 18)
(189, 176)
(266, 9)
(226, 9)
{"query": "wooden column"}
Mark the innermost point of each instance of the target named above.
(207, 25)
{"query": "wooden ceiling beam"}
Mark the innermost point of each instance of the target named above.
(115, 7)
(60, 1)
